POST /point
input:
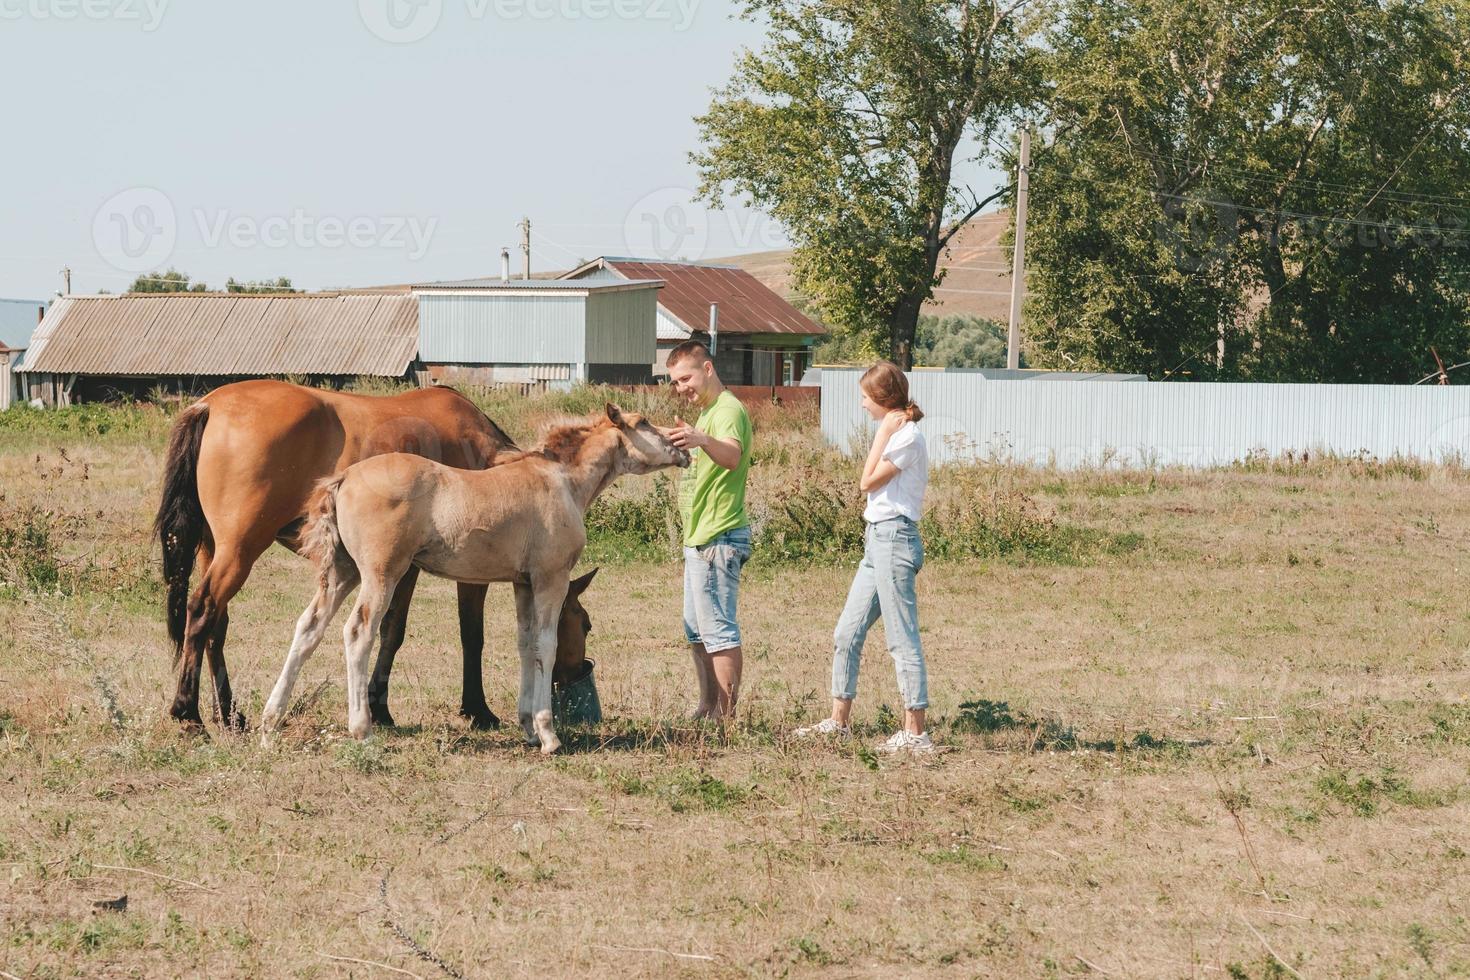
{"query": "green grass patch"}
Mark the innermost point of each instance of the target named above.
(85, 423)
(685, 789)
(966, 857)
(1365, 795)
(45, 552)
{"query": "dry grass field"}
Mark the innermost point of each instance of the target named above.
(1237, 747)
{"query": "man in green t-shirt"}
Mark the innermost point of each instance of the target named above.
(716, 528)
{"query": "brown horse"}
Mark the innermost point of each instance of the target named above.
(522, 521)
(242, 464)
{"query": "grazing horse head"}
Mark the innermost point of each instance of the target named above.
(571, 633)
(646, 448)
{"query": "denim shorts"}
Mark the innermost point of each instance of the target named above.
(712, 590)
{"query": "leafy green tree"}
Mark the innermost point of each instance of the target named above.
(845, 347)
(280, 285)
(1253, 190)
(846, 127)
(960, 341)
(172, 281)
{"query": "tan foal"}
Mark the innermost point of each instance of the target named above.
(519, 522)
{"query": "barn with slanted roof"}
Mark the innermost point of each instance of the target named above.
(760, 338)
(530, 333)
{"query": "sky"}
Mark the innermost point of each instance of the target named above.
(357, 142)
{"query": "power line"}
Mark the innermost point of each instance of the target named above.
(1272, 178)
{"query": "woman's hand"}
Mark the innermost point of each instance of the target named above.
(892, 422)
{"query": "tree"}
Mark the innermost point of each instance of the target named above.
(1255, 190)
(280, 285)
(960, 341)
(845, 127)
(172, 281)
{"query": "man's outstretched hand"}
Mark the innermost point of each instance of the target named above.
(684, 435)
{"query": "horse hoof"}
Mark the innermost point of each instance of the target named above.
(549, 746)
(236, 724)
(382, 716)
(190, 723)
(482, 721)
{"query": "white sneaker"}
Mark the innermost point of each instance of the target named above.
(826, 728)
(905, 741)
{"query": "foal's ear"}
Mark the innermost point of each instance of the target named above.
(614, 414)
(579, 585)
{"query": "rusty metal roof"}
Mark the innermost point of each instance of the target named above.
(746, 305)
(227, 334)
(541, 285)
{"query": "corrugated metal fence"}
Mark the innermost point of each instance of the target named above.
(1089, 423)
(8, 380)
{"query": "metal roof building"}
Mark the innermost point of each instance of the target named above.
(91, 347)
(18, 318)
(478, 331)
(762, 339)
(537, 331)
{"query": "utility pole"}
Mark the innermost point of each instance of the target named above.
(1018, 265)
(66, 280)
(525, 227)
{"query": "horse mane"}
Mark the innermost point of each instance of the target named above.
(562, 441)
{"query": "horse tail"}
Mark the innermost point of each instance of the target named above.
(321, 538)
(180, 523)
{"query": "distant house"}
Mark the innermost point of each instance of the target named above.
(544, 333)
(537, 331)
(91, 348)
(761, 338)
(18, 319)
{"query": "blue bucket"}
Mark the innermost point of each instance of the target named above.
(577, 703)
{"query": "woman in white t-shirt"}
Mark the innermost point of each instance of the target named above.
(894, 477)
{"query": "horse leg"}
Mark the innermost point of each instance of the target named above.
(229, 717)
(550, 592)
(227, 572)
(357, 639)
(310, 629)
(395, 624)
(526, 647)
(472, 638)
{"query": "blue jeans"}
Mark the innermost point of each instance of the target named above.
(712, 590)
(884, 585)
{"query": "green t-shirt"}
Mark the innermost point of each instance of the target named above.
(712, 498)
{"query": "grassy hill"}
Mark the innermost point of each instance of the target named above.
(978, 280)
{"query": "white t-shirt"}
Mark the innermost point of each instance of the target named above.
(902, 496)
